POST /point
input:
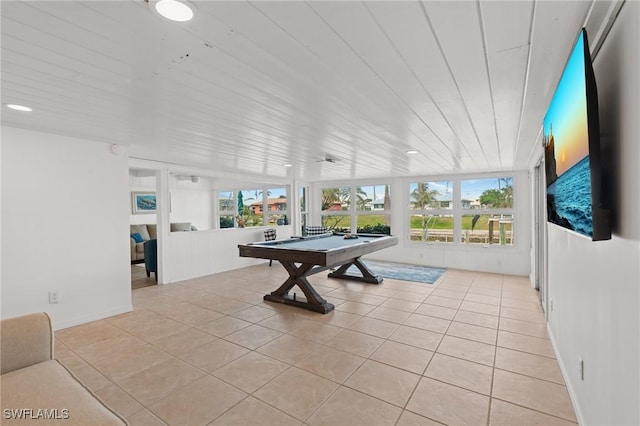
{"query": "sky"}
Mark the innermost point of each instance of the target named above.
(567, 113)
(249, 195)
(470, 189)
(374, 192)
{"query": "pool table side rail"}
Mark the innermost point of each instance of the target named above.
(276, 250)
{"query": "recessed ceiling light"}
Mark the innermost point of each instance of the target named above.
(288, 165)
(19, 107)
(411, 151)
(174, 10)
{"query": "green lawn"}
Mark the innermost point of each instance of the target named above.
(435, 222)
(446, 222)
(371, 220)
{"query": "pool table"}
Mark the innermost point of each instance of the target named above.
(304, 256)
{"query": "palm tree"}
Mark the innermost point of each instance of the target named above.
(330, 196)
(424, 197)
(362, 200)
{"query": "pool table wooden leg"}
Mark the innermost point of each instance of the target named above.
(367, 275)
(298, 276)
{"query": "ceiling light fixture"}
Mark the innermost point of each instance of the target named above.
(288, 165)
(19, 107)
(411, 151)
(174, 10)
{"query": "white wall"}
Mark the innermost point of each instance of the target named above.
(64, 225)
(195, 254)
(192, 202)
(595, 285)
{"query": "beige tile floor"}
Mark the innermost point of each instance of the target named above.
(470, 349)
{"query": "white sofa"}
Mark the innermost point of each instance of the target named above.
(35, 388)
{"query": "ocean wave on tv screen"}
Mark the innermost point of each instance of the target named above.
(572, 191)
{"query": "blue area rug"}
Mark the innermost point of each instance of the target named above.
(401, 271)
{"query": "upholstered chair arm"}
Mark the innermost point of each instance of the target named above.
(133, 248)
(25, 341)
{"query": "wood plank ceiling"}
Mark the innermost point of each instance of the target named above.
(251, 86)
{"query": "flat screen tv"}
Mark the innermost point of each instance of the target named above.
(572, 149)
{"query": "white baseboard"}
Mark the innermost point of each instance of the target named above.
(565, 376)
(93, 317)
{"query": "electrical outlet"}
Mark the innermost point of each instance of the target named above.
(580, 368)
(54, 296)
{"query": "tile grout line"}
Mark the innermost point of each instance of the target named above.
(495, 356)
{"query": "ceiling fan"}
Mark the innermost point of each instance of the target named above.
(327, 159)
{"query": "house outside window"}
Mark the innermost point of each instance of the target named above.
(277, 207)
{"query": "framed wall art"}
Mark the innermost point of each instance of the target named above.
(143, 202)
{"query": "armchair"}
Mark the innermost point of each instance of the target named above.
(151, 257)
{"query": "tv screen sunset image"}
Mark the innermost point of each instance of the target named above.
(566, 141)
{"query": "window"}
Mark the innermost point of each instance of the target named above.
(364, 209)
(226, 209)
(487, 229)
(304, 208)
(373, 209)
(336, 199)
(430, 215)
(337, 222)
(247, 207)
(277, 206)
(336, 203)
(431, 195)
(431, 228)
(492, 193)
(487, 211)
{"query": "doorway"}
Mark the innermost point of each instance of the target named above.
(540, 248)
(142, 223)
